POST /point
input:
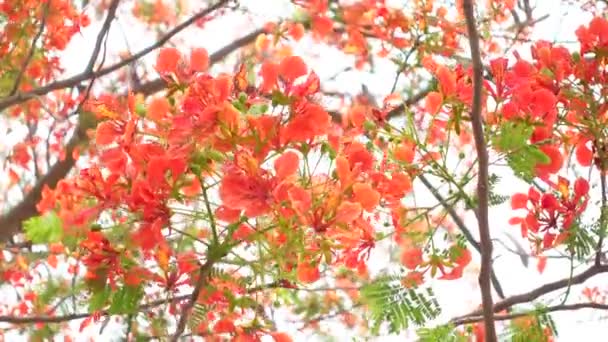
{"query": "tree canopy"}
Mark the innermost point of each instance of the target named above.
(291, 170)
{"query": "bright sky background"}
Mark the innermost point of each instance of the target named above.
(456, 297)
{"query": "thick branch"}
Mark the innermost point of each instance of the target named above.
(544, 289)
(204, 271)
(10, 223)
(564, 307)
(602, 229)
(482, 180)
(89, 73)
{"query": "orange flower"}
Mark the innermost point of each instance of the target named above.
(307, 273)
(106, 133)
(270, 75)
(584, 155)
(296, 31)
(405, 151)
(366, 196)
(348, 212)
(287, 164)
(433, 102)
(447, 80)
(158, 108)
(309, 121)
(322, 26)
(411, 258)
(555, 163)
(291, 68)
(281, 337)
(199, 59)
(167, 60)
(242, 192)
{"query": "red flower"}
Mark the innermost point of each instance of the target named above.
(433, 102)
(240, 191)
(519, 201)
(584, 155)
(287, 164)
(309, 121)
(552, 212)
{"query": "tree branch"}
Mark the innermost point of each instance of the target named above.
(105, 28)
(89, 73)
(204, 271)
(156, 85)
(482, 180)
(542, 290)
(148, 306)
(563, 307)
(72, 317)
(602, 229)
(463, 228)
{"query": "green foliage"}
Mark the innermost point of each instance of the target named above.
(123, 301)
(494, 198)
(126, 300)
(580, 242)
(198, 315)
(532, 330)
(512, 139)
(99, 299)
(443, 333)
(44, 229)
(389, 302)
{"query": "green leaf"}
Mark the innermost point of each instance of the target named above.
(98, 299)
(444, 333)
(390, 302)
(258, 109)
(534, 331)
(512, 136)
(126, 300)
(44, 229)
(279, 98)
(512, 139)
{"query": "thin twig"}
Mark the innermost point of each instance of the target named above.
(88, 74)
(463, 228)
(32, 50)
(204, 270)
(482, 180)
(101, 36)
(71, 317)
